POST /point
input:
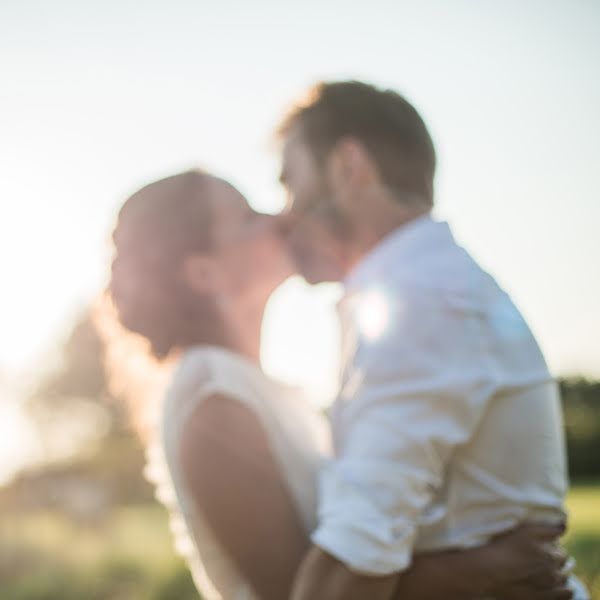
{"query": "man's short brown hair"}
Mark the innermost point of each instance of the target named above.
(387, 125)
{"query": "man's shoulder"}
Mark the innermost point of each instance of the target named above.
(450, 275)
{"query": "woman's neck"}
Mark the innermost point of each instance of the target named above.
(245, 327)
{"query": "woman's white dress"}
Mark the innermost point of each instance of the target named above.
(297, 432)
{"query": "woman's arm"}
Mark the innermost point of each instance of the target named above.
(238, 488)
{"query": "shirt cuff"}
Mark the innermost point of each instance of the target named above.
(358, 528)
(363, 549)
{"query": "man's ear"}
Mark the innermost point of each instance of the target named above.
(201, 274)
(350, 166)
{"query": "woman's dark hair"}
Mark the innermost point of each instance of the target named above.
(385, 122)
(158, 227)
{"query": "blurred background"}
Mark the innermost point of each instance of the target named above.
(98, 98)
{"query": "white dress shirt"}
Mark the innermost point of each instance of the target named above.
(448, 425)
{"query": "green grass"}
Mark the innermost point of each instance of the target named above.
(583, 538)
(129, 556)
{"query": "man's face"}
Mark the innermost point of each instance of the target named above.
(317, 231)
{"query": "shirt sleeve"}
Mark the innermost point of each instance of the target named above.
(408, 400)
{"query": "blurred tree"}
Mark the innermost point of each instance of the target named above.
(581, 406)
(84, 429)
(80, 378)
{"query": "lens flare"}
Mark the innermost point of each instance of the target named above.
(373, 314)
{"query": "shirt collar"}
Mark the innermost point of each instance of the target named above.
(416, 236)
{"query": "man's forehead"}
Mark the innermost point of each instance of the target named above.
(293, 140)
(287, 157)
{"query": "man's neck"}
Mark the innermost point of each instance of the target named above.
(370, 234)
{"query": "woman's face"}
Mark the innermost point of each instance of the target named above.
(137, 294)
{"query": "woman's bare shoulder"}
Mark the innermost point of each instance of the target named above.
(225, 429)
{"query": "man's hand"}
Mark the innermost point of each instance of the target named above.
(522, 564)
(531, 565)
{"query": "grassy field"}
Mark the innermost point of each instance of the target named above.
(583, 538)
(129, 556)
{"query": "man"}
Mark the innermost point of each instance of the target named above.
(447, 426)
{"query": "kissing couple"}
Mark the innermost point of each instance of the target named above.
(439, 472)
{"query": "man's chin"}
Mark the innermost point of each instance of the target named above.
(314, 276)
(316, 269)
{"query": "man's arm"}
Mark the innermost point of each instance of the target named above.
(323, 576)
(523, 564)
(519, 565)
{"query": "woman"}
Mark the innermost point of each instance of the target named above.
(194, 266)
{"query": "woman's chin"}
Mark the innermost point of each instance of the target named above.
(129, 319)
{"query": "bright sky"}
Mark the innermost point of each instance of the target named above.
(97, 98)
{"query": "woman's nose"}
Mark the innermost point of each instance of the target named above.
(116, 266)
